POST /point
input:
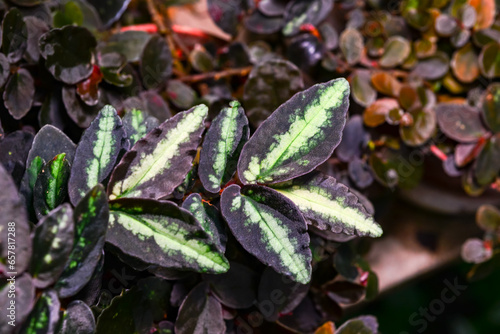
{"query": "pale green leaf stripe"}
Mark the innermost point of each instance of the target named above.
(171, 239)
(301, 137)
(224, 147)
(152, 165)
(103, 147)
(277, 238)
(319, 202)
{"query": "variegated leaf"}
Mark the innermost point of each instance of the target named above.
(44, 316)
(52, 244)
(137, 124)
(158, 163)
(330, 205)
(161, 233)
(209, 218)
(96, 153)
(51, 185)
(91, 217)
(222, 146)
(269, 226)
(300, 135)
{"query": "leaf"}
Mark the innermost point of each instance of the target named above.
(474, 251)
(491, 107)
(88, 89)
(459, 122)
(300, 135)
(301, 12)
(366, 324)
(326, 328)
(15, 220)
(52, 244)
(465, 64)
(225, 14)
(351, 45)
(362, 92)
(201, 59)
(259, 23)
(344, 292)
(137, 124)
(48, 142)
(158, 163)
(113, 68)
(68, 53)
(181, 95)
(110, 11)
(489, 60)
(155, 105)
(156, 62)
(386, 83)
(270, 84)
(51, 185)
(396, 50)
(376, 113)
(421, 129)
(200, 313)
(96, 153)
(44, 317)
(77, 318)
(270, 227)
(485, 13)
(14, 35)
(330, 205)
(488, 218)
(135, 310)
(36, 28)
(278, 294)
(222, 146)
(237, 288)
(91, 217)
(4, 69)
(208, 217)
(81, 113)
(360, 173)
(487, 164)
(24, 293)
(168, 236)
(353, 138)
(14, 149)
(19, 93)
(128, 43)
(70, 14)
(433, 67)
(446, 25)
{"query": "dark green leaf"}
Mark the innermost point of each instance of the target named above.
(237, 288)
(491, 107)
(156, 62)
(15, 228)
(352, 45)
(17, 298)
(489, 60)
(460, 122)
(51, 185)
(68, 53)
(302, 12)
(168, 236)
(200, 59)
(77, 319)
(270, 227)
(300, 135)
(181, 95)
(81, 113)
(270, 84)
(362, 92)
(91, 217)
(111, 66)
(421, 129)
(109, 11)
(208, 217)
(330, 205)
(226, 14)
(52, 244)
(70, 14)
(19, 93)
(137, 124)
(396, 50)
(200, 313)
(487, 164)
(128, 43)
(278, 294)
(158, 163)
(44, 317)
(96, 153)
(488, 218)
(222, 146)
(14, 35)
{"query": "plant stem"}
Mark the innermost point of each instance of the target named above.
(243, 71)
